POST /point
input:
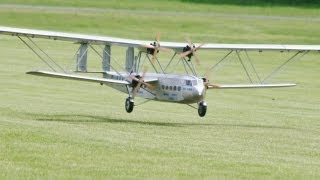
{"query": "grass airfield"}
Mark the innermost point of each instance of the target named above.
(64, 129)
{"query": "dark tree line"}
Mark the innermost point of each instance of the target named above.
(296, 3)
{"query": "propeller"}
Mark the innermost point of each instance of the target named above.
(207, 84)
(189, 51)
(154, 48)
(140, 80)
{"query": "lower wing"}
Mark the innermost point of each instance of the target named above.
(239, 86)
(77, 77)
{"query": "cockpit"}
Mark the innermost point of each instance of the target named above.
(188, 83)
(193, 82)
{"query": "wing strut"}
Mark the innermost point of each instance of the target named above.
(252, 65)
(175, 53)
(244, 67)
(41, 57)
(102, 58)
(221, 60)
(260, 80)
(285, 63)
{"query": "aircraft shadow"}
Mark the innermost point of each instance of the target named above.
(101, 119)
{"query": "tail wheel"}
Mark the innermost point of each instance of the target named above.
(129, 105)
(202, 109)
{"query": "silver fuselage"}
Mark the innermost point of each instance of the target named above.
(176, 88)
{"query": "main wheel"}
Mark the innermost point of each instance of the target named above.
(202, 109)
(129, 105)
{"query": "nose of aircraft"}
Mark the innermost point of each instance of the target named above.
(198, 91)
(195, 96)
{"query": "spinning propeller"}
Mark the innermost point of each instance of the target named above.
(154, 48)
(138, 81)
(190, 51)
(207, 84)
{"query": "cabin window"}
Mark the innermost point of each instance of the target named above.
(174, 88)
(170, 88)
(162, 86)
(179, 88)
(166, 87)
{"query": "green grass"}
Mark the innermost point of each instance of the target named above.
(52, 128)
(205, 29)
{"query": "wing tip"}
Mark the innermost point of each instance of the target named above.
(31, 72)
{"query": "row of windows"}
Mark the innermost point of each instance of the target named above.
(171, 88)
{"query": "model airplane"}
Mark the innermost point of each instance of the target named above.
(159, 86)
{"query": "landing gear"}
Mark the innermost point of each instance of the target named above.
(129, 104)
(202, 109)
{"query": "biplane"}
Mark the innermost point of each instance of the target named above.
(188, 88)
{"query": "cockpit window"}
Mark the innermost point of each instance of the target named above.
(188, 83)
(194, 82)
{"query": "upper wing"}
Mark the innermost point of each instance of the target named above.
(80, 38)
(77, 77)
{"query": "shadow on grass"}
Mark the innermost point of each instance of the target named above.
(98, 119)
(101, 119)
(83, 118)
(288, 3)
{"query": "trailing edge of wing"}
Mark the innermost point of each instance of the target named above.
(77, 77)
(242, 86)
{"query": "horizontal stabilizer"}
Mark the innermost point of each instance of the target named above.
(239, 86)
(77, 77)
